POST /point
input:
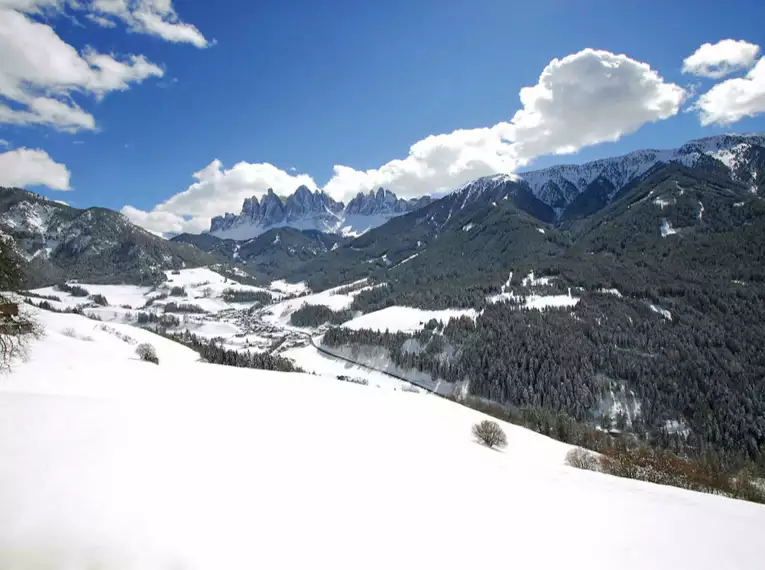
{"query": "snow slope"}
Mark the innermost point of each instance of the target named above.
(203, 287)
(280, 313)
(404, 319)
(117, 295)
(116, 464)
(311, 360)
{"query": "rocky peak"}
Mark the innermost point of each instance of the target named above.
(271, 208)
(251, 208)
(312, 210)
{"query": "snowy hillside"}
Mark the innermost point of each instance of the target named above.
(242, 326)
(113, 463)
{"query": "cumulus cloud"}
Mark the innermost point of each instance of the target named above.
(435, 163)
(25, 167)
(215, 191)
(734, 99)
(39, 72)
(164, 222)
(721, 59)
(588, 98)
(583, 99)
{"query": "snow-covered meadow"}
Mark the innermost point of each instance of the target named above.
(405, 319)
(113, 463)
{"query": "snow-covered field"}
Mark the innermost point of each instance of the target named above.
(405, 319)
(117, 295)
(289, 288)
(311, 360)
(203, 287)
(280, 313)
(229, 321)
(112, 463)
(535, 302)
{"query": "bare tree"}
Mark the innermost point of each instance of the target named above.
(15, 335)
(490, 434)
(582, 459)
(16, 327)
(147, 352)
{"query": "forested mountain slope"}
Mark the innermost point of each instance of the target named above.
(274, 253)
(666, 335)
(469, 231)
(59, 242)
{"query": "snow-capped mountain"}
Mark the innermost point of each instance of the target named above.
(307, 210)
(558, 186)
(381, 202)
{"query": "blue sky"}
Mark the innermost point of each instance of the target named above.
(312, 85)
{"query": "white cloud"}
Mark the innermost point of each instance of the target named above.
(25, 167)
(721, 59)
(588, 98)
(39, 72)
(50, 112)
(152, 17)
(583, 99)
(102, 21)
(433, 164)
(215, 191)
(164, 222)
(734, 99)
(32, 6)
(171, 31)
(4, 143)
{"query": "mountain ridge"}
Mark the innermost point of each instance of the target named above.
(59, 242)
(307, 210)
(559, 185)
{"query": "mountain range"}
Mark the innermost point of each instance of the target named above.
(307, 210)
(660, 326)
(658, 256)
(555, 193)
(306, 234)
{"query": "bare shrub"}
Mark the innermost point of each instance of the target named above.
(99, 299)
(15, 335)
(16, 327)
(122, 336)
(147, 352)
(490, 434)
(582, 459)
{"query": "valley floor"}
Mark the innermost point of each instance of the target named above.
(113, 463)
